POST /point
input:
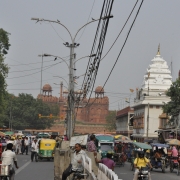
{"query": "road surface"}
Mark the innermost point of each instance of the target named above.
(44, 170)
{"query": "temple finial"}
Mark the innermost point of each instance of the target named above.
(158, 53)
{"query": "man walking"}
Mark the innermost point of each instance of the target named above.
(26, 144)
(34, 150)
(91, 147)
(22, 146)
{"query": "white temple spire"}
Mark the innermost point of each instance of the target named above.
(158, 52)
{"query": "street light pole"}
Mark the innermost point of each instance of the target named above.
(71, 99)
(41, 75)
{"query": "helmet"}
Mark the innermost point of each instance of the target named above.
(141, 154)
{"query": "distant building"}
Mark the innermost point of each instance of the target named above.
(124, 121)
(91, 116)
(150, 98)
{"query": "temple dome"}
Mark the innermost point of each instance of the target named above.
(47, 87)
(99, 89)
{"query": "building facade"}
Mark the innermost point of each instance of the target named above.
(90, 114)
(150, 99)
(124, 121)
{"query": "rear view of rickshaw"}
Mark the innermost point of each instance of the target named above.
(159, 157)
(46, 149)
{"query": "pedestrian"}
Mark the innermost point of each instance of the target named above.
(7, 159)
(34, 150)
(76, 162)
(22, 145)
(91, 147)
(18, 146)
(106, 161)
(65, 138)
(26, 144)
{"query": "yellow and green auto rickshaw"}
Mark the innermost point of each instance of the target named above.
(46, 149)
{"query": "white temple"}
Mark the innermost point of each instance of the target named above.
(159, 74)
(150, 98)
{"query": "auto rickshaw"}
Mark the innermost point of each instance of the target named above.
(162, 161)
(46, 149)
(137, 146)
(104, 144)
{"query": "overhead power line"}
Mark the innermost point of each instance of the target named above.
(120, 31)
(120, 50)
(87, 20)
(34, 72)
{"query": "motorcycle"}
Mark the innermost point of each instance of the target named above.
(174, 164)
(143, 173)
(78, 174)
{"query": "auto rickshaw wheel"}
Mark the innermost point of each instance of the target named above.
(163, 168)
(131, 167)
(178, 171)
(171, 168)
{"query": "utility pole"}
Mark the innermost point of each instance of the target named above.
(71, 98)
(10, 116)
(147, 135)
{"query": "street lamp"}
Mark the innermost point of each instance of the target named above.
(41, 55)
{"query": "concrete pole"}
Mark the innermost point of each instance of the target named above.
(70, 94)
(147, 135)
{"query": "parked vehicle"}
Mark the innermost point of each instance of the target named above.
(43, 135)
(161, 161)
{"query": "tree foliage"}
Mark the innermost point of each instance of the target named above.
(24, 112)
(4, 47)
(173, 107)
(111, 121)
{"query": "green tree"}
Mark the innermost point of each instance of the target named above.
(173, 106)
(24, 111)
(111, 121)
(4, 47)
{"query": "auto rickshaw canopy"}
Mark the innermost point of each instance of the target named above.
(47, 144)
(160, 145)
(142, 145)
(174, 142)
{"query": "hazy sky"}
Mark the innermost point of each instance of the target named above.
(157, 23)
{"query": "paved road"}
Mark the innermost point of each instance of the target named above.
(43, 170)
(125, 173)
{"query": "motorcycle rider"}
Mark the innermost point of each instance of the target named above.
(9, 158)
(139, 162)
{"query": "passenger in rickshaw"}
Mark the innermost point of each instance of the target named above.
(157, 156)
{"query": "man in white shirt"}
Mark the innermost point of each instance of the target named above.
(76, 162)
(34, 150)
(9, 158)
(26, 144)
